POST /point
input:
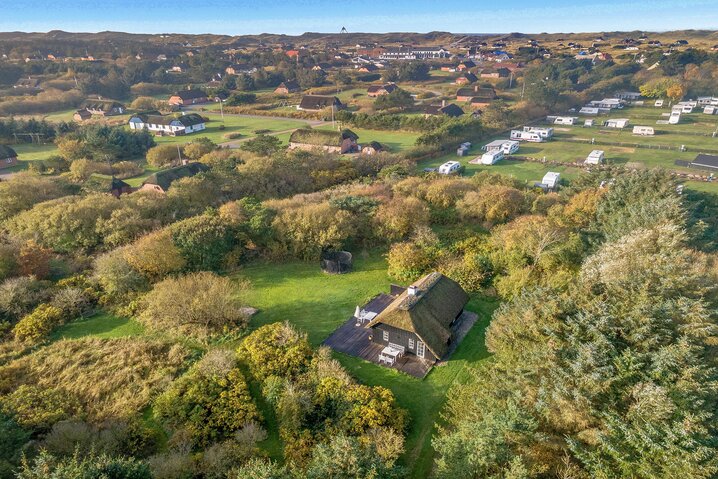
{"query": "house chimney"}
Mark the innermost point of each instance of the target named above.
(412, 291)
(476, 87)
(443, 103)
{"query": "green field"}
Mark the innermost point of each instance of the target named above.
(103, 325)
(394, 141)
(233, 124)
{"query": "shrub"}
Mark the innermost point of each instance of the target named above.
(38, 408)
(91, 466)
(276, 349)
(210, 403)
(207, 305)
(110, 378)
(38, 324)
(19, 296)
(162, 155)
(116, 276)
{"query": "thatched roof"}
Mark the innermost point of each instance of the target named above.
(429, 314)
(7, 152)
(101, 105)
(319, 102)
(308, 136)
(165, 178)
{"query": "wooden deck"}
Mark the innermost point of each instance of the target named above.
(354, 340)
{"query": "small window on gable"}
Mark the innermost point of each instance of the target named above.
(411, 344)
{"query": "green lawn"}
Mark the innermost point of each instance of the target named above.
(318, 303)
(395, 141)
(314, 301)
(244, 125)
(103, 325)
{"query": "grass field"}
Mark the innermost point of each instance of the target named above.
(103, 325)
(318, 303)
(395, 141)
(233, 124)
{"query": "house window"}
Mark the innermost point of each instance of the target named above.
(411, 344)
(420, 349)
(385, 335)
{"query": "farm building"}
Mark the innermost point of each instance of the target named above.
(8, 157)
(162, 180)
(319, 102)
(103, 107)
(644, 130)
(188, 97)
(596, 157)
(172, 125)
(372, 148)
(705, 161)
(450, 167)
(450, 110)
(379, 90)
(616, 123)
(344, 141)
(287, 87)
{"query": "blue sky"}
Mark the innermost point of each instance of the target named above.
(236, 17)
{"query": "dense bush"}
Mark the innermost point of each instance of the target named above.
(213, 308)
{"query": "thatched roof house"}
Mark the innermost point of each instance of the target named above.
(420, 319)
(319, 102)
(344, 141)
(8, 157)
(103, 107)
(162, 180)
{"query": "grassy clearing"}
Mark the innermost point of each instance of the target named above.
(233, 124)
(312, 300)
(395, 141)
(103, 325)
(318, 303)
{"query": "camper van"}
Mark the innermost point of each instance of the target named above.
(545, 133)
(659, 103)
(643, 130)
(491, 157)
(508, 147)
(674, 118)
(588, 110)
(683, 107)
(710, 110)
(596, 157)
(520, 135)
(564, 120)
(616, 123)
(450, 167)
(551, 179)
